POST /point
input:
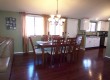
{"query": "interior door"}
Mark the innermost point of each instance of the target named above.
(72, 27)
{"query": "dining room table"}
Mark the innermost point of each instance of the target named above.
(46, 44)
(50, 44)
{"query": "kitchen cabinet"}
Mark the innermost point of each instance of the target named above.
(107, 26)
(72, 27)
(102, 26)
(84, 24)
(92, 41)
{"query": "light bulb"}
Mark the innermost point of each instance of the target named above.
(108, 18)
(58, 16)
(52, 16)
(63, 20)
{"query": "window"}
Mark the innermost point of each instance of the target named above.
(92, 27)
(34, 25)
(55, 30)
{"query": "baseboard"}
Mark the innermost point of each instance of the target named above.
(22, 52)
(107, 57)
(82, 48)
(92, 48)
(19, 52)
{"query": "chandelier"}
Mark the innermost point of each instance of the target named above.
(56, 19)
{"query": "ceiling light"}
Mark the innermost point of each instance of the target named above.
(108, 18)
(97, 19)
(56, 19)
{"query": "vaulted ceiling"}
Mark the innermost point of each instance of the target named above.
(92, 9)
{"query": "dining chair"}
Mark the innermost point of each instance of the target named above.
(78, 45)
(55, 36)
(70, 50)
(37, 51)
(56, 51)
(62, 48)
(45, 37)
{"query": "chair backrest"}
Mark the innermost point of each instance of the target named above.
(55, 48)
(79, 42)
(58, 43)
(55, 36)
(79, 39)
(32, 43)
(62, 40)
(70, 48)
(45, 37)
(70, 40)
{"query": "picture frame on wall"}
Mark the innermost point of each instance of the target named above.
(10, 23)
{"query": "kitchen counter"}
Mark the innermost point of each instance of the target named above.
(92, 36)
(92, 41)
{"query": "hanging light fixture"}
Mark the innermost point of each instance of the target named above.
(56, 19)
(109, 19)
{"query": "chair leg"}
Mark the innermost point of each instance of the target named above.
(46, 58)
(65, 57)
(35, 60)
(71, 60)
(61, 58)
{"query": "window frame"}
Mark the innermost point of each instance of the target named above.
(34, 26)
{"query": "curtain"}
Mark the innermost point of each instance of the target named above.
(24, 33)
(45, 24)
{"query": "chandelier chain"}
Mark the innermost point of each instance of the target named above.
(56, 19)
(57, 7)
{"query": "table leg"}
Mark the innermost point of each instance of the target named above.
(42, 55)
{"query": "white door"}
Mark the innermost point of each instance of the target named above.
(72, 27)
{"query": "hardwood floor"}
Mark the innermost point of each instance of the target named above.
(91, 66)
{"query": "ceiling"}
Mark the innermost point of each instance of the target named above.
(92, 9)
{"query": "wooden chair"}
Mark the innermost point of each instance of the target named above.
(78, 45)
(45, 37)
(55, 36)
(62, 48)
(56, 51)
(37, 51)
(70, 49)
(74, 47)
(79, 41)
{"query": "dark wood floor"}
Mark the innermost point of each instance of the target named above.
(91, 66)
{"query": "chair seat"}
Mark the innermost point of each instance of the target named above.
(39, 51)
(52, 52)
(47, 49)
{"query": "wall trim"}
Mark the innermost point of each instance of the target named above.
(107, 57)
(18, 52)
(22, 52)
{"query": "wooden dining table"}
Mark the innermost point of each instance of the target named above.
(45, 44)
